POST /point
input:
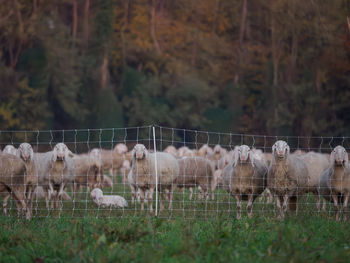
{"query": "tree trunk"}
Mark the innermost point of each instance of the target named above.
(153, 26)
(122, 31)
(241, 39)
(86, 22)
(75, 20)
(104, 71)
(275, 46)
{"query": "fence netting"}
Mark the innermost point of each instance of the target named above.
(216, 177)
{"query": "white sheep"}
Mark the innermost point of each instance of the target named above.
(244, 178)
(287, 177)
(12, 180)
(143, 174)
(334, 184)
(10, 149)
(107, 200)
(55, 172)
(316, 164)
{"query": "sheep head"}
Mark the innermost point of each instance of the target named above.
(339, 156)
(243, 154)
(96, 153)
(139, 152)
(280, 149)
(25, 151)
(96, 194)
(61, 152)
(10, 149)
(121, 148)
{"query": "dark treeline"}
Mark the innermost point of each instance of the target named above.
(247, 66)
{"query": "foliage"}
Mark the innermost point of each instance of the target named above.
(281, 69)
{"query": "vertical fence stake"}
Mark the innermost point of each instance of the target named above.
(155, 168)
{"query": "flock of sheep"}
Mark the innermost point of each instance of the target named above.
(243, 172)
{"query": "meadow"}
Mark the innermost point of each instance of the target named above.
(194, 231)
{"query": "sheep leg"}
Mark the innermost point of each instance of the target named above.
(4, 203)
(161, 202)
(170, 197)
(324, 204)
(239, 206)
(191, 193)
(150, 198)
(141, 194)
(285, 203)
(59, 196)
(318, 202)
(335, 201)
(345, 209)
(279, 206)
(250, 205)
(133, 194)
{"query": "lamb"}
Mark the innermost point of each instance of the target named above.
(10, 149)
(316, 164)
(107, 200)
(12, 179)
(143, 174)
(196, 171)
(334, 184)
(55, 172)
(87, 172)
(244, 178)
(287, 177)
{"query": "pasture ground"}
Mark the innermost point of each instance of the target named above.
(195, 231)
(148, 239)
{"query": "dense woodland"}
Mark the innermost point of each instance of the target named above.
(249, 66)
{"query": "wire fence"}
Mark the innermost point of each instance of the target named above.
(210, 181)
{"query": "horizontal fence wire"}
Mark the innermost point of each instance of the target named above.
(203, 187)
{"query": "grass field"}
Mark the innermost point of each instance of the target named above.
(194, 231)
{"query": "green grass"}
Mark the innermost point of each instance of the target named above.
(145, 239)
(194, 231)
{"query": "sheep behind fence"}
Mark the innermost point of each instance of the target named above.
(199, 174)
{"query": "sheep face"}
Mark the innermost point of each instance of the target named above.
(280, 149)
(10, 149)
(121, 148)
(339, 156)
(96, 194)
(60, 152)
(140, 152)
(96, 153)
(25, 152)
(217, 149)
(243, 155)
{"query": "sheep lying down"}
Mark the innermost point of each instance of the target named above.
(107, 200)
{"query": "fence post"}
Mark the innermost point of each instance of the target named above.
(155, 168)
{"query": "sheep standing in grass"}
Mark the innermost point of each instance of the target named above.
(26, 153)
(12, 179)
(334, 184)
(107, 200)
(244, 178)
(87, 172)
(196, 171)
(316, 164)
(10, 149)
(55, 172)
(287, 177)
(143, 174)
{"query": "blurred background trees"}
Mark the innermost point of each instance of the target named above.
(257, 66)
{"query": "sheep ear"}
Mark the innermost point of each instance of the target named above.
(251, 158)
(288, 149)
(332, 158)
(235, 158)
(54, 156)
(70, 154)
(274, 148)
(346, 158)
